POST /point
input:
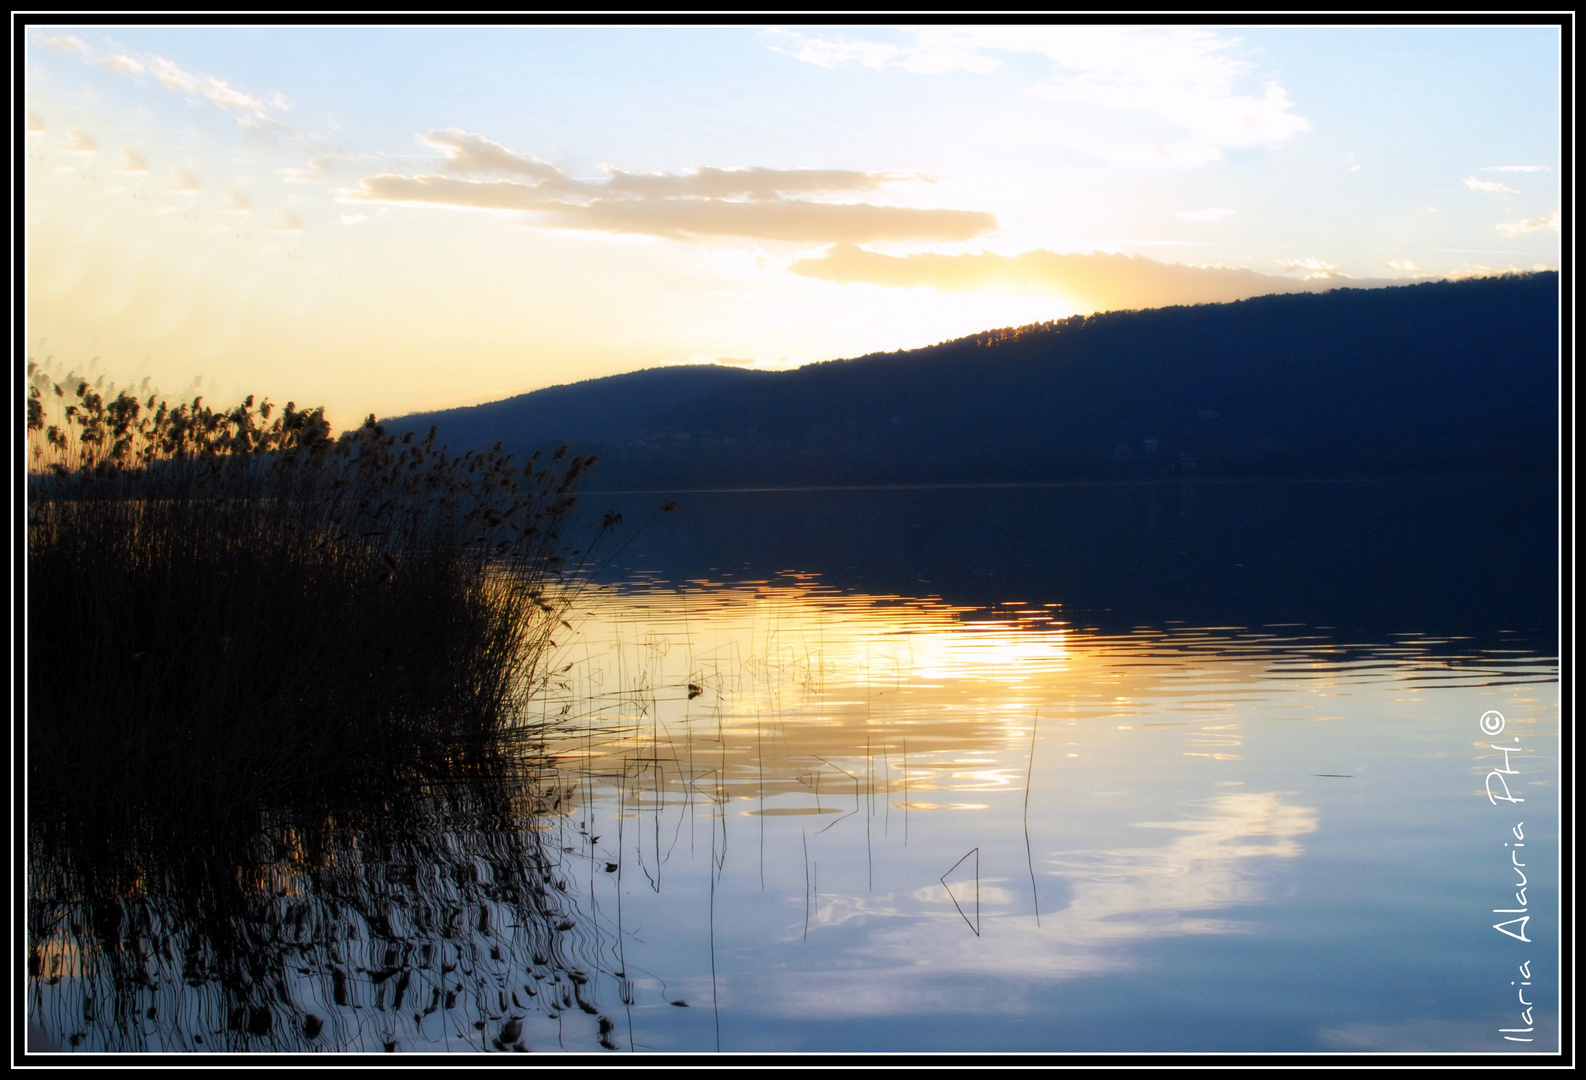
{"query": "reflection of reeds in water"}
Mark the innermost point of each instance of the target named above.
(436, 918)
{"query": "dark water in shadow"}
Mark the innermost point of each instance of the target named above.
(1462, 555)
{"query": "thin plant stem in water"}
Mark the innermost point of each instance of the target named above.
(870, 805)
(1029, 858)
(804, 835)
(975, 851)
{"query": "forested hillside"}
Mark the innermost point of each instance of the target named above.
(1430, 378)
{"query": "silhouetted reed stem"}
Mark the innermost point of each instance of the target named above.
(222, 607)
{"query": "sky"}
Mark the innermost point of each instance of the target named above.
(398, 219)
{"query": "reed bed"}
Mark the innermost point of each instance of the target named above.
(229, 606)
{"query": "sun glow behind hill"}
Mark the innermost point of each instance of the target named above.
(217, 202)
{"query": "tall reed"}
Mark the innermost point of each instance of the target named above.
(228, 605)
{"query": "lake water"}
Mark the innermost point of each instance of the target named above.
(1181, 767)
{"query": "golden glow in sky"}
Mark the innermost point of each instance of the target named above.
(391, 220)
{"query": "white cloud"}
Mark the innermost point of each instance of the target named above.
(1525, 225)
(352, 219)
(287, 221)
(1492, 186)
(237, 202)
(183, 180)
(1403, 264)
(80, 142)
(217, 91)
(1204, 215)
(468, 153)
(66, 44)
(132, 161)
(1516, 168)
(249, 109)
(120, 64)
(1313, 269)
(934, 52)
(35, 122)
(1194, 80)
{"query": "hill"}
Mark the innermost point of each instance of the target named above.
(1420, 379)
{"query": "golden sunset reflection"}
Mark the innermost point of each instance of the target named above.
(962, 789)
(790, 684)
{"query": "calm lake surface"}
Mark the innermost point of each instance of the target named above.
(1155, 767)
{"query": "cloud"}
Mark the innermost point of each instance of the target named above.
(351, 219)
(1093, 282)
(132, 161)
(703, 202)
(80, 142)
(448, 191)
(1314, 269)
(467, 153)
(1525, 225)
(182, 180)
(35, 122)
(1203, 215)
(788, 219)
(782, 219)
(217, 91)
(1516, 168)
(237, 202)
(745, 183)
(65, 44)
(1478, 270)
(120, 64)
(1488, 185)
(933, 52)
(1193, 80)
(287, 221)
(249, 109)
(1116, 903)
(1404, 265)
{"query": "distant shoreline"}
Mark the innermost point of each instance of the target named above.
(1123, 482)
